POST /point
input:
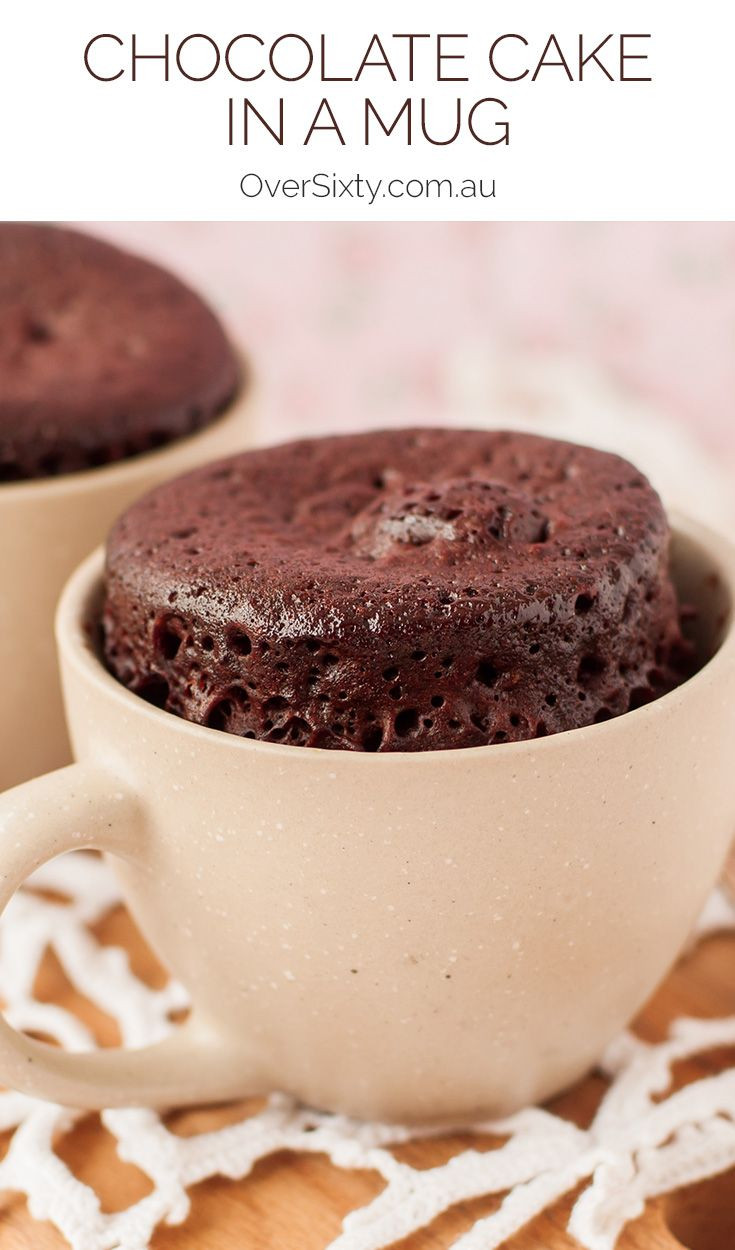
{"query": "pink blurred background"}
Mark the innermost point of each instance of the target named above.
(358, 324)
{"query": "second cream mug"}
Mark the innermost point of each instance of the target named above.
(47, 526)
(410, 937)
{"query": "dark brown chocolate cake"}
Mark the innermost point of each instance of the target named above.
(396, 591)
(102, 355)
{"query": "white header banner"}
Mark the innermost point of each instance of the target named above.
(388, 111)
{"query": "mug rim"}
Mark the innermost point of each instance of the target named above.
(118, 471)
(74, 645)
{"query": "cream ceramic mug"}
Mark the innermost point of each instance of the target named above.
(404, 936)
(47, 525)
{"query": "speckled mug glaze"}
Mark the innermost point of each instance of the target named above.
(409, 937)
(46, 527)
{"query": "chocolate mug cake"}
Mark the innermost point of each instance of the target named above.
(113, 376)
(397, 591)
(103, 355)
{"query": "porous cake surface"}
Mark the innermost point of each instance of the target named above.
(397, 591)
(102, 354)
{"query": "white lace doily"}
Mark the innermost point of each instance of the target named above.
(643, 1141)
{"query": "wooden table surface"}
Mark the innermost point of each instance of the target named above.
(296, 1202)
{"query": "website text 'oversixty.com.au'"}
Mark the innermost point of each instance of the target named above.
(329, 186)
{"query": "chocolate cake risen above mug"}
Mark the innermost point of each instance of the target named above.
(397, 591)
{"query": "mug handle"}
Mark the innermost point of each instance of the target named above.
(83, 806)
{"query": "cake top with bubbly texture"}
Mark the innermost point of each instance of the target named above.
(392, 591)
(102, 354)
(389, 522)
